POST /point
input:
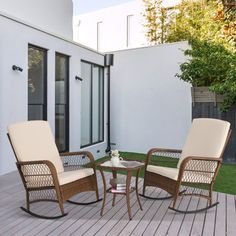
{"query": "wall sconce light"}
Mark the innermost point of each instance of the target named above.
(78, 78)
(14, 67)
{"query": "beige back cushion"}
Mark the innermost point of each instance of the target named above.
(206, 138)
(33, 140)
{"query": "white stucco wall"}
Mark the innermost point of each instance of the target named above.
(14, 40)
(52, 15)
(113, 27)
(113, 31)
(150, 107)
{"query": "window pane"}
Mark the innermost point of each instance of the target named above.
(92, 104)
(86, 104)
(36, 83)
(95, 102)
(35, 112)
(61, 78)
(60, 92)
(60, 127)
(61, 98)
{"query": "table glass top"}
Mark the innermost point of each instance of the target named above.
(123, 164)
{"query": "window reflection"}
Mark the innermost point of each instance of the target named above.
(61, 102)
(37, 89)
(92, 104)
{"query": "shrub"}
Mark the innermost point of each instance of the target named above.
(211, 64)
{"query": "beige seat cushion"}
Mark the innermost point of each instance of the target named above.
(70, 176)
(33, 141)
(206, 138)
(171, 173)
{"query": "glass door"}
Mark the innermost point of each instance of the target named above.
(92, 104)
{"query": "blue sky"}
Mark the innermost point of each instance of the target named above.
(84, 6)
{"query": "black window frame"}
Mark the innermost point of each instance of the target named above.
(45, 81)
(91, 106)
(67, 106)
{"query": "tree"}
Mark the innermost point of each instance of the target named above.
(191, 19)
(208, 65)
(155, 21)
(204, 20)
(210, 28)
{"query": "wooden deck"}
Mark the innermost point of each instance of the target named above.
(155, 219)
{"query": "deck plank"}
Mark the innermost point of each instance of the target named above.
(138, 217)
(76, 215)
(155, 219)
(178, 217)
(118, 216)
(43, 225)
(150, 213)
(82, 225)
(188, 218)
(158, 217)
(209, 226)
(199, 219)
(220, 224)
(47, 226)
(231, 215)
(30, 223)
(117, 212)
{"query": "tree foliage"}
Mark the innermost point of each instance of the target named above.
(207, 20)
(204, 20)
(227, 86)
(208, 64)
(210, 28)
(211, 64)
(155, 21)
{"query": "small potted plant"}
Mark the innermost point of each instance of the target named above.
(115, 158)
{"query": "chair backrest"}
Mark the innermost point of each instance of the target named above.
(33, 141)
(206, 138)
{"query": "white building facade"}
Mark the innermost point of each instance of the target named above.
(54, 16)
(114, 28)
(46, 76)
(40, 75)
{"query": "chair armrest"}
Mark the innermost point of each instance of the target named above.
(192, 165)
(77, 160)
(153, 150)
(38, 174)
(164, 152)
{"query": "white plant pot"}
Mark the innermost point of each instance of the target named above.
(115, 161)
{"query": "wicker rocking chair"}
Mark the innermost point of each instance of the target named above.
(43, 169)
(197, 167)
